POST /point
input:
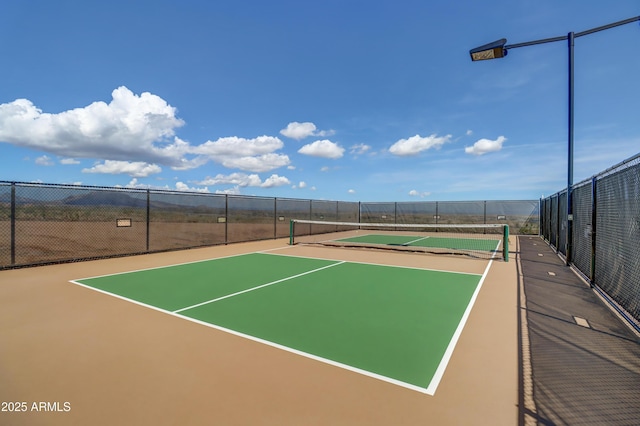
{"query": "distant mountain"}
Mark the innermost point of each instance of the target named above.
(119, 199)
(5, 197)
(104, 198)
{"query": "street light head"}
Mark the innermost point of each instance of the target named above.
(489, 51)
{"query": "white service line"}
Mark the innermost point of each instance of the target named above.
(256, 288)
(414, 241)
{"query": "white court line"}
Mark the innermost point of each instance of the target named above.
(435, 380)
(117, 296)
(495, 251)
(256, 288)
(374, 264)
(163, 266)
(414, 241)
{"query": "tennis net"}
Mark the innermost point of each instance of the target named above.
(485, 241)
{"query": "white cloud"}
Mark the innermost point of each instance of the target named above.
(262, 163)
(323, 148)
(230, 191)
(133, 183)
(275, 180)
(239, 147)
(69, 161)
(179, 150)
(469, 132)
(414, 193)
(134, 169)
(254, 155)
(44, 161)
(416, 144)
(298, 131)
(324, 169)
(241, 180)
(181, 186)
(302, 184)
(130, 126)
(351, 191)
(484, 146)
(359, 149)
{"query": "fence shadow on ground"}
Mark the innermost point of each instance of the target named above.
(580, 364)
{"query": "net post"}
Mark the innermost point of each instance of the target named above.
(505, 244)
(291, 232)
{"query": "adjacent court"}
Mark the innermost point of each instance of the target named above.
(422, 241)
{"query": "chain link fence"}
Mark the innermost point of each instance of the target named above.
(605, 237)
(48, 223)
(523, 217)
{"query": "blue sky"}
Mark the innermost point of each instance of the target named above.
(340, 100)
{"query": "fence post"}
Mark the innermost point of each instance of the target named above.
(485, 221)
(540, 218)
(226, 220)
(395, 212)
(148, 215)
(594, 216)
(13, 223)
(558, 223)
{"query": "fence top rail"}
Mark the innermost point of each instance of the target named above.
(155, 191)
(621, 165)
(615, 168)
(207, 194)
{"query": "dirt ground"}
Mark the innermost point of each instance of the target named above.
(74, 356)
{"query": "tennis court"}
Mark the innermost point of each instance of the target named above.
(397, 324)
(264, 333)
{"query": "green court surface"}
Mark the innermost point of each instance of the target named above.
(393, 323)
(422, 241)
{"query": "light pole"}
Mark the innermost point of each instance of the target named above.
(500, 48)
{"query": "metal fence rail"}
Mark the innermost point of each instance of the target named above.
(48, 223)
(606, 232)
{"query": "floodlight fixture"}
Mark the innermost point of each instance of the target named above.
(489, 51)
